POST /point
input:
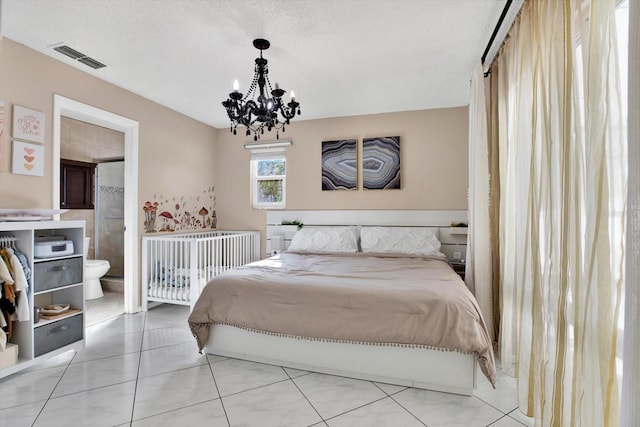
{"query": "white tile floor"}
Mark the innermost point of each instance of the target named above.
(144, 370)
(107, 307)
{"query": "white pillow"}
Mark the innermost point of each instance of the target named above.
(400, 240)
(325, 239)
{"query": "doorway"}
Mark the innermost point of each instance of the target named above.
(76, 110)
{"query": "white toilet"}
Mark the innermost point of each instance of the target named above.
(94, 269)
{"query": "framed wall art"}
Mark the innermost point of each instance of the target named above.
(339, 165)
(28, 124)
(381, 163)
(28, 159)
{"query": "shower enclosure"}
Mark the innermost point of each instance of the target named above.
(109, 216)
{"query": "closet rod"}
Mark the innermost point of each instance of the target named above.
(496, 29)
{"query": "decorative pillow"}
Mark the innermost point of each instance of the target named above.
(325, 239)
(400, 240)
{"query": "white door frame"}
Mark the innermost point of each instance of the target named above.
(76, 110)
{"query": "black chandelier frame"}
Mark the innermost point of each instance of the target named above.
(256, 110)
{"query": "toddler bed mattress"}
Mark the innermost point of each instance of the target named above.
(175, 282)
(379, 299)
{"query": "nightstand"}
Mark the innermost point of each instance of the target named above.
(459, 267)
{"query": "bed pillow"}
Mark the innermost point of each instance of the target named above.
(325, 239)
(400, 240)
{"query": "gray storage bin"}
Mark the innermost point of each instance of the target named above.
(57, 334)
(57, 273)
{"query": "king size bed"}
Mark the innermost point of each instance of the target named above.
(377, 303)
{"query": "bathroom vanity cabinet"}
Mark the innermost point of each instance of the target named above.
(55, 280)
(77, 184)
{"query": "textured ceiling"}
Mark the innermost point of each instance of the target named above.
(342, 57)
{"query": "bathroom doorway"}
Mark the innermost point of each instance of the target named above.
(65, 107)
(101, 151)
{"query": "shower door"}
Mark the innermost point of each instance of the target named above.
(109, 210)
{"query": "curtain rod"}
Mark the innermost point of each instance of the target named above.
(496, 29)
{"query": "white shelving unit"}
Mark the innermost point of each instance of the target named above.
(54, 280)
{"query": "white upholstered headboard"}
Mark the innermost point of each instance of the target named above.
(453, 240)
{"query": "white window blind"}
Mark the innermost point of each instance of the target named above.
(268, 175)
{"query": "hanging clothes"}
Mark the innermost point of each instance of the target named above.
(5, 274)
(3, 339)
(21, 285)
(14, 300)
(8, 296)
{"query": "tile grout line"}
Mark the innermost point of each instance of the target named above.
(386, 395)
(359, 407)
(303, 395)
(494, 407)
(389, 394)
(54, 389)
(408, 411)
(135, 389)
(504, 416)
(508, 415)
(215, 383)
(253, 388)
(176, 409)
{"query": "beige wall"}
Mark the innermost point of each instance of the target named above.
(434, 165)
(175, 152)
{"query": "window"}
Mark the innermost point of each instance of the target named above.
(268, 176)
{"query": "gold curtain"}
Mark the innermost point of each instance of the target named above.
(562, 192)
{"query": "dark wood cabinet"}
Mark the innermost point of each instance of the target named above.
(76, 184)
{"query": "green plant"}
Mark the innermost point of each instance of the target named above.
(294, 222)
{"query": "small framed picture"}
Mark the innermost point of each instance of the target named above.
(28, 124)
(28, 159)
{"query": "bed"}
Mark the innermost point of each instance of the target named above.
(360, 306)
(175, 267)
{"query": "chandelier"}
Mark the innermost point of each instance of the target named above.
(262, 106)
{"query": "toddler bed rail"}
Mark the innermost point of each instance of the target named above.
(175, 267)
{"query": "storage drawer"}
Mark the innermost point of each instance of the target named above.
(57, 334)
(54, 274)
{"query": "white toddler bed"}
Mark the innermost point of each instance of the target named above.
(175, 267)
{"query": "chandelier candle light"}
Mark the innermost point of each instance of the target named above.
(259, 108)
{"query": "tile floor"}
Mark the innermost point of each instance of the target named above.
(144, 370)
(98, 310)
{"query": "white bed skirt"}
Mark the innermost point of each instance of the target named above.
(446, 371)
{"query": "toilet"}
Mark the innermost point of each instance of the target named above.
(94, 269)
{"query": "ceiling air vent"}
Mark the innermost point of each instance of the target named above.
(80, 57)
(71, 53)
(91, 62)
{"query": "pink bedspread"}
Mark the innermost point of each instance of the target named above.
(394, 300)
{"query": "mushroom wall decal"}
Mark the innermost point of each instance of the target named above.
(167, 216)
(181, 212)
(150, 216)
(204, 213)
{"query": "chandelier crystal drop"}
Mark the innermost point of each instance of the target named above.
(262, 106)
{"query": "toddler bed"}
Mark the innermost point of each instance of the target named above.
(378, 303)
(175, 267)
